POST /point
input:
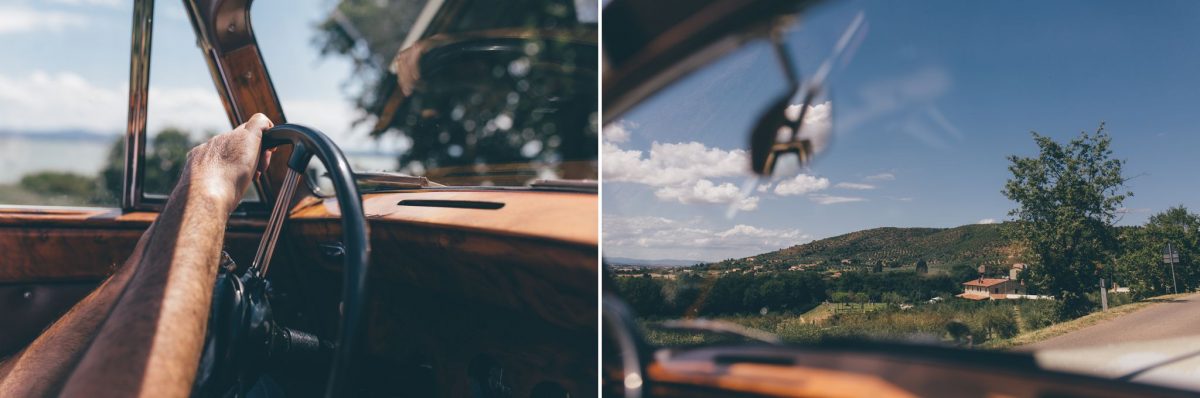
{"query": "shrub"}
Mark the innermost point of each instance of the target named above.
(957, 330)
(1037, 314)
(54, 183)
(999, 322)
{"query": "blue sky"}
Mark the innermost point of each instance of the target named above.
(66, 66)
(935, 97)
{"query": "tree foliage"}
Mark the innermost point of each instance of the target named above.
(1141, 265)
(1068, 198)
(165, 158)
(58, 184)
(473, 110)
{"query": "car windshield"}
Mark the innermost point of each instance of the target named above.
(998, 176)
(462, 92)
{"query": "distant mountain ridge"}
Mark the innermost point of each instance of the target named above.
(941, 248)
(650, 263)
(61, 135)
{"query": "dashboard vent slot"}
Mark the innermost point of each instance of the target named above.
(758, 359)
(456, 204)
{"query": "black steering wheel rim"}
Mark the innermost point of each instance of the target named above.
(308, 143)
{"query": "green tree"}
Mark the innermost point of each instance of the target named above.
(999, 322)
(643, 293)
(963, 272)
(922, 267)
(893, 298)
(450, 117)
(878, 267)
(958, 330)
(63, 185)
(1067, 196)
(1140, 266)
(165, 159)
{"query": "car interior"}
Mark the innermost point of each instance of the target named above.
(402, 289)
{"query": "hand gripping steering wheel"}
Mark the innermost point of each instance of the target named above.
(242, 334)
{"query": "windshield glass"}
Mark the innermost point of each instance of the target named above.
(932, 213)
(462, 92)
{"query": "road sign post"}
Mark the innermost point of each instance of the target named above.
(1103, 296)
(1170, 256)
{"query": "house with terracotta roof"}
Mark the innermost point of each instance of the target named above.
(991, 289)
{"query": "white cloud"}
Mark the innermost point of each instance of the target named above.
(45, 101)
(672, 164)
(854, 185)
(879, 98)
(23, 20)
(104, 3)
(908, 104)
(618, 132)
(59, 101)
(881, 177)
(831, 200)
(987, 221)
(818, 123)
(704, 191)
(681, 172)
(801, 184)
(658, 237)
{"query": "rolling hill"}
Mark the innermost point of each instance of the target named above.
(941, 248)
(618, 261)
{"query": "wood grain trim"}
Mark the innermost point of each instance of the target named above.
(564, 217)
(249, 86)
(34, 254)
(557, 234)
(775, 381)
(96, 218)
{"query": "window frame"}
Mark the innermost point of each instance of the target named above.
(133, 195)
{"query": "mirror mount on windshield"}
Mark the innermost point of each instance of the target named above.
(776, 135)
(785, 131)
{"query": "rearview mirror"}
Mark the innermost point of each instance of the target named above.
(787, 136)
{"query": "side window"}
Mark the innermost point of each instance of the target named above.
(184, 108)
(63, 100)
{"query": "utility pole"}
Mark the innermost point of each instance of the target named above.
(1171, 256)
(1103, 289)
(1103, 295)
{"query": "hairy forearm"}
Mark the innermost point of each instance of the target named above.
(42, 367)
(156, 329)
(142, 332)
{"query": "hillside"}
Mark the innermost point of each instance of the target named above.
(941, 248)
(619, 261)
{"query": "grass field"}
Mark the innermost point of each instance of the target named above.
(991, 325)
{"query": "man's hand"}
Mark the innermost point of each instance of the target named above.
(223, 167)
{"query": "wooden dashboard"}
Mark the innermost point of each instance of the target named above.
(871, 370)
(469, 288)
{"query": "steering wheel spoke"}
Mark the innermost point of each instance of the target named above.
(279, 213)
(241, 316)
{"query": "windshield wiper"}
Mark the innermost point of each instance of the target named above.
(722, 327)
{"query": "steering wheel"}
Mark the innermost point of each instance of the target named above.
(242, 334)
(625, 350)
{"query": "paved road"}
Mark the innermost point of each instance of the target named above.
(1175, 318)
